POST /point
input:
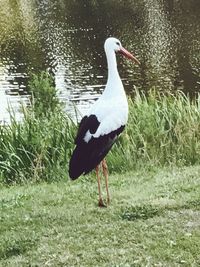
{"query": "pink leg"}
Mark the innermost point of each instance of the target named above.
(105, 173)
(100, 204)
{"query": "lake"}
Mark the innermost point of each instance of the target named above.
(66, 38)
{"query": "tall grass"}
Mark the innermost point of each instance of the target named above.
(37, 149)
(162, 130)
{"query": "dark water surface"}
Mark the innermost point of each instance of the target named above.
(66, 37)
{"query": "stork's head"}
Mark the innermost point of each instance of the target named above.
(113, 44)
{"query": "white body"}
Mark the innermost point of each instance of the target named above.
(111, 109)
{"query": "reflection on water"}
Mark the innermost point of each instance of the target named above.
(158, 42)
(66, 37)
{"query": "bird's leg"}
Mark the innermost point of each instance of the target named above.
(101, 204)
(105, 173)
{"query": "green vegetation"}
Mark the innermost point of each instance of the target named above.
(162, 130)
(37, 148)
(44, 99)
(153, 220)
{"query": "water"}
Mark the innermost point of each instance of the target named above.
(66, 38)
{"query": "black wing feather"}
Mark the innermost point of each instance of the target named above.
(87, 123)
(87, 156)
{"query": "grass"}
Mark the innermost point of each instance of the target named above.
(38, 148)
(153, 220)
(162, 130)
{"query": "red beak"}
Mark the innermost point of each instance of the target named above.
(127, 54)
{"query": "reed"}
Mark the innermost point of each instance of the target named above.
(36, 149)
(162, 130)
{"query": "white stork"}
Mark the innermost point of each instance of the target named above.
(98, 130)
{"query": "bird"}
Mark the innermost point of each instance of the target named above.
(103, 123)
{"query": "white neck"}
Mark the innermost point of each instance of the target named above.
(113, 74)
(114, 81)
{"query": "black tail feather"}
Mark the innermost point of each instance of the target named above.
(77, 163)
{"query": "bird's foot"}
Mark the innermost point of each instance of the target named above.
(101, 204)
(108, 201)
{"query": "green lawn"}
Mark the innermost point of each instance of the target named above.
(153, 220)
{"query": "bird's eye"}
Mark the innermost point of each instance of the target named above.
(117, 43)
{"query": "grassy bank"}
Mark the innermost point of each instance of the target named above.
(162, 130)
(153, 220)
